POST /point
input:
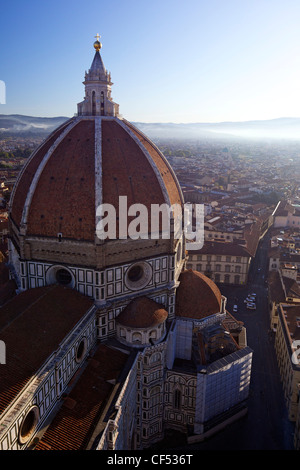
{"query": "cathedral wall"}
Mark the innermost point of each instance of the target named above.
(150, 395)
(184, 331)
(171, 346)
(107, 314)
(124, 251)
(108, 285)
(221, 387)
(14, 261)
(47, 386)
(179, 404)
(119, 433)
(54, 251)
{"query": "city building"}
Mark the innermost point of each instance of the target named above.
(286, 215)
(110, 342)
(287, 341)
(281, 289)
(223, 262)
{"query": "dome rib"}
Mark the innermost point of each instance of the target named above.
(164, 170)
(89, 161)
(26, 175)
(63, 191)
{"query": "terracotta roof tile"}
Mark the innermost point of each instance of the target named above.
(32, 325)
(64, 199)
(72, 427)
(126, 170)
(166, 172)
(142, 313)
(28, 173)
(197, 296)
(222, 248)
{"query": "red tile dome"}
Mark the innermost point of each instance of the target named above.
(197, 296)
(142, 312)
(87, 160)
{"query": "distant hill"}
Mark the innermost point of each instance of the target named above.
(281, 128)
(27, 126)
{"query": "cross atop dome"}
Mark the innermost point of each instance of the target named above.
(97, 100)
(97, 43)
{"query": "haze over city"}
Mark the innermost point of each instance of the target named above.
(170, 61)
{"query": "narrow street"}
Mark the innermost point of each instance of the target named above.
(266, 426)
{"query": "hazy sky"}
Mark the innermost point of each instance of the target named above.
(170, 60)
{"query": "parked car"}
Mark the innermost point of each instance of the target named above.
(235, 308)
(251, 306)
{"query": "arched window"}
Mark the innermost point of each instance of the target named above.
(137, 337)
(177, 399)
(153, 335)
(156, 357)
(102, 103)
(94, 103)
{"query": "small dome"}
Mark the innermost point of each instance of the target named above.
(142, 313)
(197, 296)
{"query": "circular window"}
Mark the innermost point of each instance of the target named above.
(81, 350)
(63, 277)
(28, 425)
(138, 276)
(60, 275)
(135, 273)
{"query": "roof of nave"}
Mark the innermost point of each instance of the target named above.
(32, 325)
(83, 408)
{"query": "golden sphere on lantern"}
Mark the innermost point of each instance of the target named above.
(97, 43)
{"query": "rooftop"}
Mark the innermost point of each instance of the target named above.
(197, 296)
(142, 312)
(32, 325)
(86, 404)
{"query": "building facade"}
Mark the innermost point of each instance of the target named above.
(223, 262)
(286, 345)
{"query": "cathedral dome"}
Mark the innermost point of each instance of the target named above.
(88, 161)
(83, 203)
(197, 296)
(94, 158)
